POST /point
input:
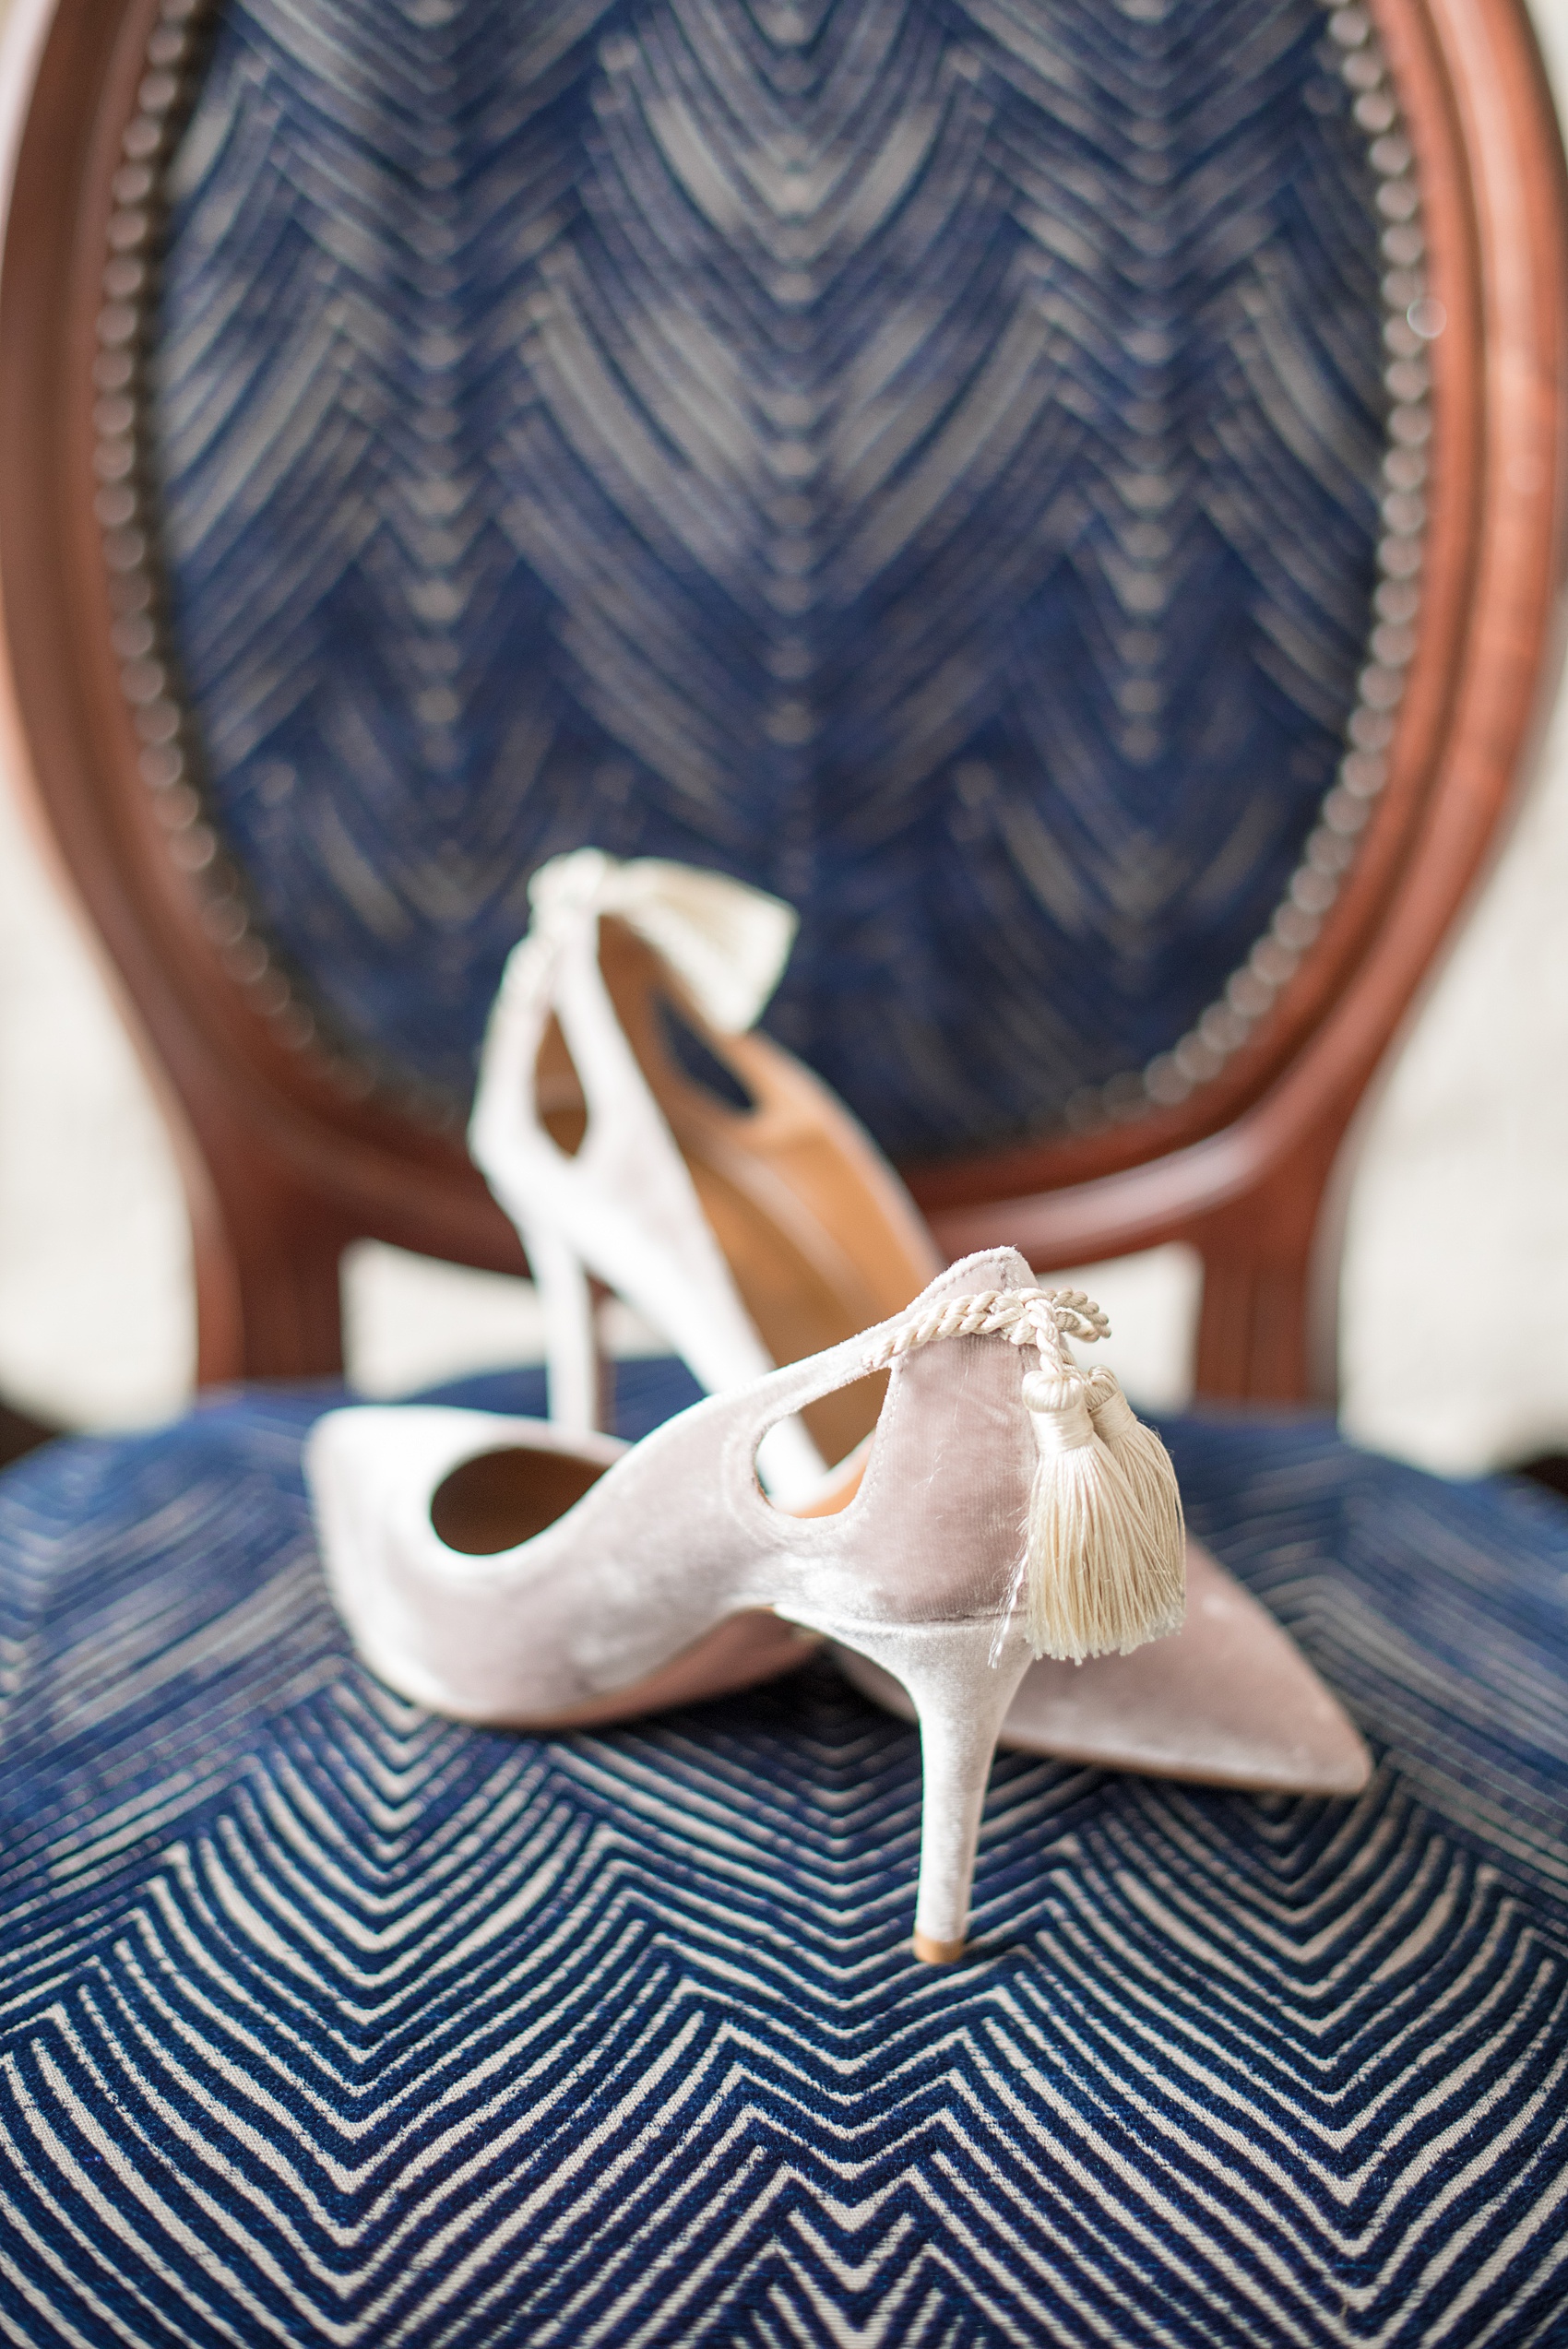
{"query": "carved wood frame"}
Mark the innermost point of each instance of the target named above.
(283, 1167)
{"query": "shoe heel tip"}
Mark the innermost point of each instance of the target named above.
(929, 1952)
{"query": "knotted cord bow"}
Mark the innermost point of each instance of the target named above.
(726, 941)
(1043, 1318)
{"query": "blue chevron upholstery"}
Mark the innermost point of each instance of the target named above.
(918, 454)
(323, 2020)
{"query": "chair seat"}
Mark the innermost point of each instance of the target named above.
(419, 2033)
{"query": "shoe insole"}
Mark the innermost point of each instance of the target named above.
(820, 1237)
(504, 1498)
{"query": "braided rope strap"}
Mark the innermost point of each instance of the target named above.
(1043, 1318)
(1104, 1555)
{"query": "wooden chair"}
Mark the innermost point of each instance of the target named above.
(303, 1128)
(1073, 497)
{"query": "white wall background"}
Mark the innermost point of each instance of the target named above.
(1460, 1198)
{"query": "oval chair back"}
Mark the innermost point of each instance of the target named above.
(1069, 497)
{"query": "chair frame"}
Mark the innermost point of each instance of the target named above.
(287, 1161)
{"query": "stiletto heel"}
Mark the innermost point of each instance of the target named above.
(961, 1689)
(572, 1356)
(506, 1572)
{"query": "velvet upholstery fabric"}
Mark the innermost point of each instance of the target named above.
(919, 455)
(323, 2020)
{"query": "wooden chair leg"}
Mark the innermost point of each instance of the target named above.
(293, 1307)
(1266, 1329)
(268, 1300)
(1253, 1328)
(20, 1433)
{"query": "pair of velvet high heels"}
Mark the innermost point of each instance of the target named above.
(929, 1480)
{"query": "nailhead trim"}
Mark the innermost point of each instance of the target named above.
(1410, 321)
(169, 759)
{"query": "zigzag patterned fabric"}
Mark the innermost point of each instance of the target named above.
(323, 2020)
(919, 455)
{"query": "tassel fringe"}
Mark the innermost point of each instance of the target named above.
(1149, 1468)
(1101, 1570)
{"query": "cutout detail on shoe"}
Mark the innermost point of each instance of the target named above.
(844, 1478)
(839, 1487)
(698, 1062)
(563, 1109)
(504, 1498)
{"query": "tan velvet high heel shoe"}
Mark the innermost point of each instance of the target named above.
(518, 1573)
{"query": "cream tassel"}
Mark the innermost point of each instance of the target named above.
(1151, 1472)
(1097, 1571)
